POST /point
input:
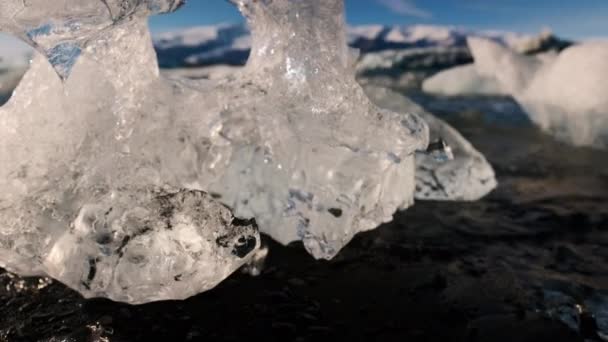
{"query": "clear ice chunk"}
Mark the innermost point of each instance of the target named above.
(451, 168)
(117, 181)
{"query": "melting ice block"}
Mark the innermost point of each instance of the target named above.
(564, 94)
(466, 176)
(121, 183)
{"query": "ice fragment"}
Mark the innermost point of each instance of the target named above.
(451, 168)
(562, 94)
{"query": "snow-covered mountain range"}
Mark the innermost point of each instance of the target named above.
(205, 45)
(229, 43)
(401, 56)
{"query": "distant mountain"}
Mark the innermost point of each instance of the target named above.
(396, 56)
(204, 46)
(230, 44)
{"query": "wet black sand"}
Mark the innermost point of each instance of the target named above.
(527, 263)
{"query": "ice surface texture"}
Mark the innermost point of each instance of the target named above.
(466, 177)
(117, 181)
(563, 94)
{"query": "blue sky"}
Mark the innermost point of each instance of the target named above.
(567, 18)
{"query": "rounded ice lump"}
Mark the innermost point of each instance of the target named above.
(453, 170)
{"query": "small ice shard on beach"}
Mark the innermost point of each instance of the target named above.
(451, 169)
(564, 94)
(61, 29)
(123, 184)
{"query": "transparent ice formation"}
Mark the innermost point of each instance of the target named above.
(452, 169)
(563, 94)
(117, 181)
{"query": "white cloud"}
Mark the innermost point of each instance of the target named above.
(405, 7)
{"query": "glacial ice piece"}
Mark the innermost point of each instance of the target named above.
(466, 176)
(564, 95)
(111, 179)
(462, 80)
(61, 29)
(465, 80)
